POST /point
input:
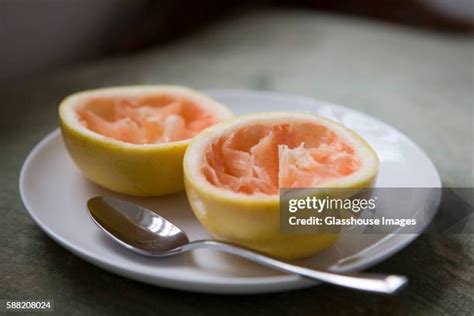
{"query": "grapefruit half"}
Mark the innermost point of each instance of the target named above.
(132, 139)
(233, 172)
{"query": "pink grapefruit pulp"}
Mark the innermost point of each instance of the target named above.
(145, 120)
(263, 158)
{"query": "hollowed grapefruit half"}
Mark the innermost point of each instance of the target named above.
(234, 170)
(132, 139)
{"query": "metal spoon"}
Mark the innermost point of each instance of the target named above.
(147, 233)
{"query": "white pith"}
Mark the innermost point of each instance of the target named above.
(194, 157)
(69, 106)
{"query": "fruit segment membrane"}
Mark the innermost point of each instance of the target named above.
(146, 120)
(262, 158)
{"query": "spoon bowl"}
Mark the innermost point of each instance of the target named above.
(136, 227)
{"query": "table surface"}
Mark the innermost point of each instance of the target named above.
(419, 82)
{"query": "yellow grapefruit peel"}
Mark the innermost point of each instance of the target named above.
(143, 169)
(253, 219)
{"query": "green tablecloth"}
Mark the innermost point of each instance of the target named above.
(419, 82)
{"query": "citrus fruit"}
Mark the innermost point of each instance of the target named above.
(132, 139)
(233, 172)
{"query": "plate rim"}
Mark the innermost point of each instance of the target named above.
(259, 284)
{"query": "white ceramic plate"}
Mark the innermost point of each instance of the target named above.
(55, 194)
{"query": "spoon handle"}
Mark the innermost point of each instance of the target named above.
(379, 283)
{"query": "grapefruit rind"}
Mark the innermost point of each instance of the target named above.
(134, 169)
(253, 220)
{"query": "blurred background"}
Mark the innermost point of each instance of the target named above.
(40, 35)
(406, 62)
